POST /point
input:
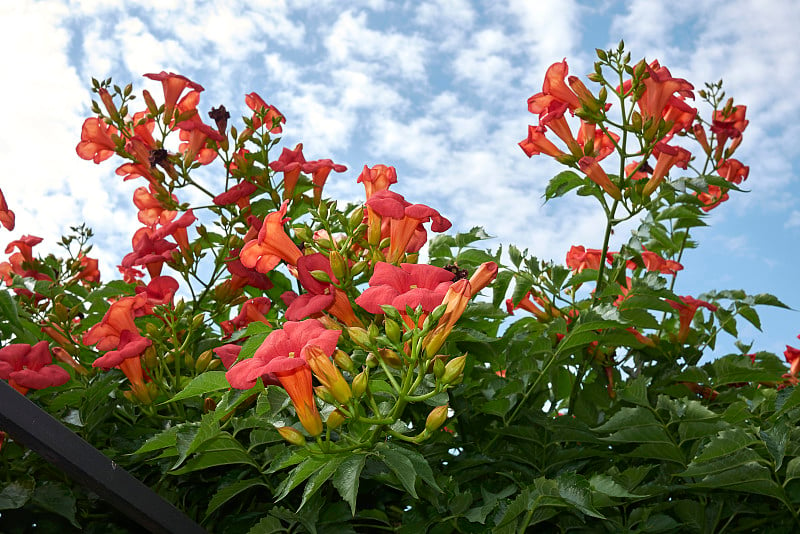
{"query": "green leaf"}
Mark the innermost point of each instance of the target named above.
(561, 184)
(16, 494)
(267, 525)
(750, 477)
(400, 465)
(346, 479)
(634, 425)
(57, 499)
(776, 439)
(718, 465)
(202, 384)
(765, 299)
(787, 399)
(750, 315)
(222, 450)
(608, 486)
(793, 469)
(320, 477)
(635, 391)
(575, 489)
(421, 466)
(165, 439)
(230, 491)
(308, 467)
(659, 451)
(726, 442)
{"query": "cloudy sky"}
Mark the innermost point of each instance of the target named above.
(436, 88)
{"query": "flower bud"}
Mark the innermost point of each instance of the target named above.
(436, 418)
(355, 218)
(201, 364)
(302, 233)
(324, 393)
(150, 357)
(292, 435)
(328, 374)
(358, 268)
(323, 210)
(359, 385)
(359, 336)
(390, 357)
(198, 320)
(188, 359)
(209, 405)
(335, 419)
(152, 107)
(343, 360)
(372, 361)
(338, 265)
(321, 275)
(393, 331)
(438, 368)
(454, 369)
(108, 102)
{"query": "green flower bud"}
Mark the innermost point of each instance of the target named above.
(436, 418)
(454, 369)
(393, 330)
(359, 385)
(292, 435)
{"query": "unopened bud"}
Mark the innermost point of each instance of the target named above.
(436, 418)
(335, 419)
(152, 107)
(372, 361)
(324, 393)
(320, 275)
(338, 265)
(302, 233)
(292, 435)
(323, 210)
(198, 320)
(188, 359)
(454, 369)
(359, 385)
(636, 121)
(390, 357)
(438, 368)
(209, 405)
(355, 218)
(359, 336)
(150, 357)
(201, 364)
(358, 268)
(393, 331)
(343, 360)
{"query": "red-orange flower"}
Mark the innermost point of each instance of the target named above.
(554, 90)
(151, 211)
(595, 172)
(97, 140)
(6, 215)
(272, 245)
(687, 308)
(320, 169)
(196, 133)
(173, 85)
(661, 89)
(667, 156)
(30, 367)
(792, 356)
(580, 258)
(252, 310)
(290, 163)
(404, 220)
(408, 285)
(270, 114)
(320, 296)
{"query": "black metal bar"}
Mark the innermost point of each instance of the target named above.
(39, 431)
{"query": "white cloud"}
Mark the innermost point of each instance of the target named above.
(398, 54)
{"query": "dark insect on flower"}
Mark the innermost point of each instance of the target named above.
(458, 274)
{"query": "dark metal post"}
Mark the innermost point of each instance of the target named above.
(40, 432)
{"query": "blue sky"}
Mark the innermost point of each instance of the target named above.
(436, 88)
